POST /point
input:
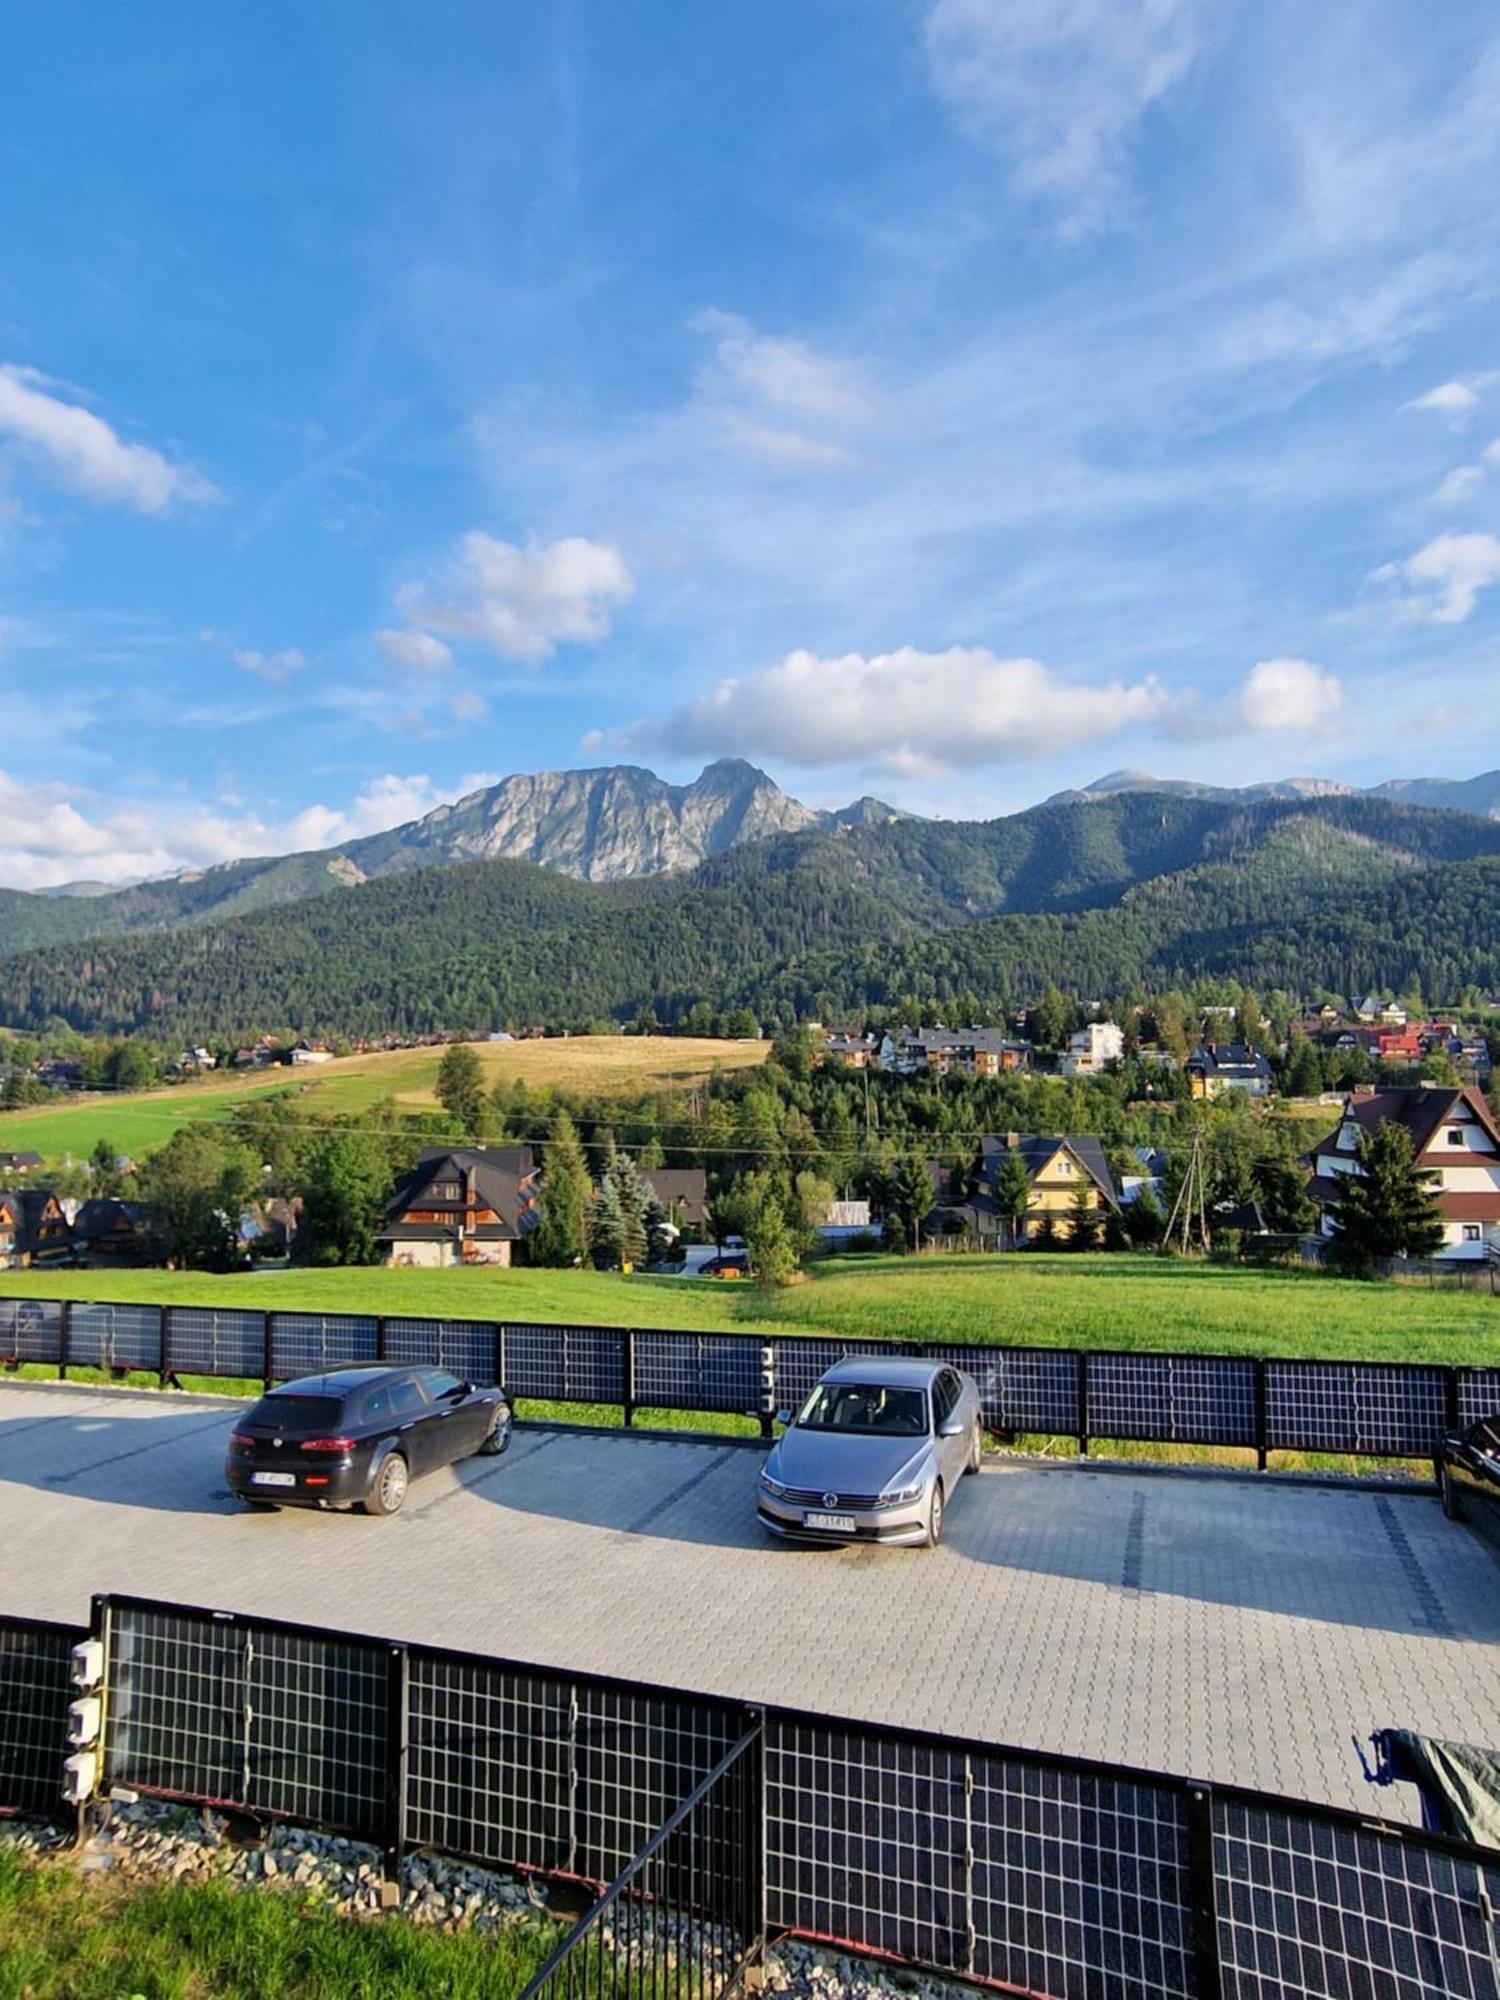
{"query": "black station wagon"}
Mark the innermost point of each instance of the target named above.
(357, 1437)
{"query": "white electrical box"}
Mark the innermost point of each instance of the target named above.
(88, 1663)
(84, 1719)
(81, 1776)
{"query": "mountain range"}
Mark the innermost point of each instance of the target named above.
(1130, 890)
(1470, 795)
(600, 826)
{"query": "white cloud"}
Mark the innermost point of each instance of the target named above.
(48, 837)
(1445, 577)
(1289, 694)
(1462, 483)
(468, 707)
(518, 603)
(910, 712)
(1448, 399)
(417, 652)
(1058, 87)
(83, 454)
(778, 397)
(273, 667)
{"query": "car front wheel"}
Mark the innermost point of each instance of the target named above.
(497, 1437)
(1449, 1492)
(935, 1516)
(976, 1450)
(389, 1490)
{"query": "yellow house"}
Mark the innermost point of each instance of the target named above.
(1058, 1165)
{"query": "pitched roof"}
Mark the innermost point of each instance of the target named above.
(1037, 1150)
(502, 1178)
(1229, 1060)
(1421, 1108)
(685, 1188)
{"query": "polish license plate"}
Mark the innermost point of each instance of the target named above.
(273, 1479)
(841, 1524)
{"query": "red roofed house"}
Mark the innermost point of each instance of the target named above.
(1453, 1132)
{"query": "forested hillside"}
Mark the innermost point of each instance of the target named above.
(1094, 897)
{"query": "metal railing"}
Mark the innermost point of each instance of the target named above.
(1366, 1408)
(683, 1918)
(718, 1827)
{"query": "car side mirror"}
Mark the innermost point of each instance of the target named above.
(953, 1428)
(459, 1391)
(783, 1416)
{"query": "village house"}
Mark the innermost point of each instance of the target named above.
(34, 1229)
(1216, 1068)
(1453, 1133)
(468, 1205)
(108, 1233)
(19, 1163)
(1092, 1049)
(849, 1049)
(971, 1051)
(681, 1193)
(1058, 1166)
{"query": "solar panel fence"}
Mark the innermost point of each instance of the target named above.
(1032, 1871)
(1373, 1409)
(35, 1690)
(31, 1330)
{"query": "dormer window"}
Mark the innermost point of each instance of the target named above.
(1455, 1135)
(447, 1190)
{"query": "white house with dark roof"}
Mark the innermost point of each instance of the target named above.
(467, 1205)
(1453, 1133)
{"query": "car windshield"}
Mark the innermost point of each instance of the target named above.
(865, 1406)
(296, 1414)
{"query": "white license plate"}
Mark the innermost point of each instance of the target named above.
(842, 1524)
(273, 1479)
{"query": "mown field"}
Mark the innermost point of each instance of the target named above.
(1097, 1301)
(66, 1937)
(136, 1122)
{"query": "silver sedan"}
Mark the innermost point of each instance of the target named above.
(874, 1454)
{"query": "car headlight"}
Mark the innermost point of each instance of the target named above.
(771, 1485)
(896, 1499)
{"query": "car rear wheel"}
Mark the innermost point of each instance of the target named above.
(1449, 1492)
(935, 1516)
(389, 1490)
(497, 1437)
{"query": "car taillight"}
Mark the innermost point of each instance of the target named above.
(328, 1444)
(240, 1437)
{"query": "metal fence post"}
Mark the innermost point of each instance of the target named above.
(627, 1374)
(1450, 1399)
(767, 1389)
(1083, 1404)
(499, 1361)
(267, 1348)
(163, 1346)
(1261, 1436)
(1203, 1897)
(64, 1331)
(397, 1746)
(380, 1337)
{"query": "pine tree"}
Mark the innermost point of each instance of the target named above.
(1013, 1196)
(606, 1228)
(1388, 1208)
(1084, 1220)
(773, 1253)
(460, 1085)
(911, 1196)
(561, 1238)
(633, 1197)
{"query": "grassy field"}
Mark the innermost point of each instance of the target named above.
(1120, 1301)
(63, 1937)
(136, 1122)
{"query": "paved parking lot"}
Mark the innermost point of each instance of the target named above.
(1222, 1628)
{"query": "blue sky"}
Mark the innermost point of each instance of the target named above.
(951, 399)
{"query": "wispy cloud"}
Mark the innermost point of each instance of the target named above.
(1059, 88)
(79, 451)
(277, 668)
(1444, 579)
